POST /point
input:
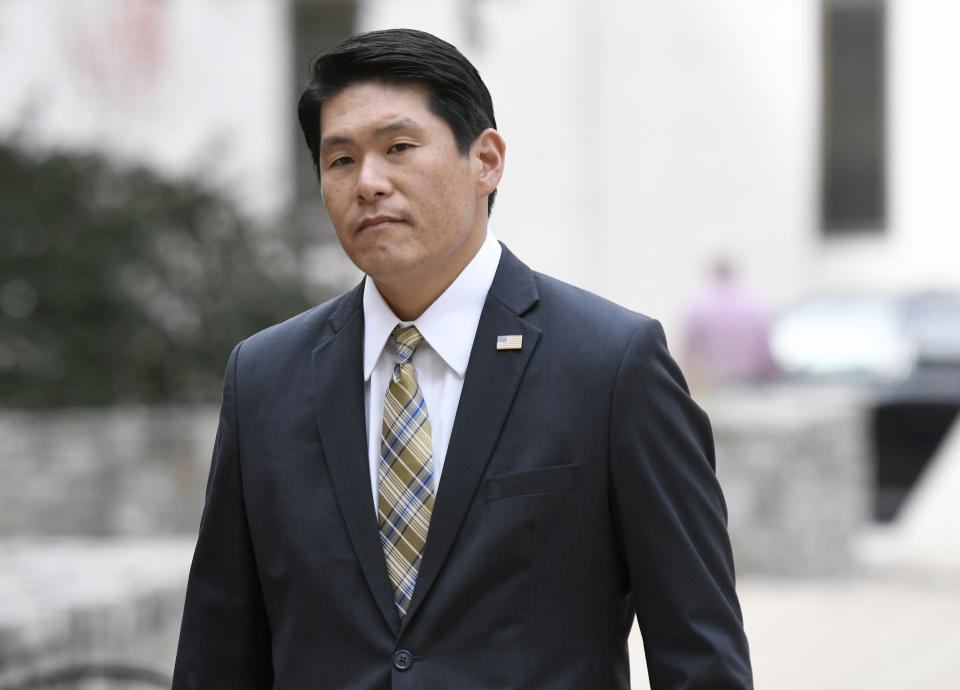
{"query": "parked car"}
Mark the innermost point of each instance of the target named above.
(905, 349)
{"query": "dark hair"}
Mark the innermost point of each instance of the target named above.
(457, 94)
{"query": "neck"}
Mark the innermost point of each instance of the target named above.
(410, 304)
(410, 296)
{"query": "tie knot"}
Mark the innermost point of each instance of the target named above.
(408, 339)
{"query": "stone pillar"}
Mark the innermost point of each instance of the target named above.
(794, 465)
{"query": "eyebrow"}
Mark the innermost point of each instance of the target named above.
(395, 125)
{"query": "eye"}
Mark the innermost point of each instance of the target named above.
(342, 160)
(399, 147)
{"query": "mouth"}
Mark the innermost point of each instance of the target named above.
(377, 222)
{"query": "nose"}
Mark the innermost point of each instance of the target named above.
(372, 180)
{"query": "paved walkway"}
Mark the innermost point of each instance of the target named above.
(880, 632)
(75, 601)
(885, 631)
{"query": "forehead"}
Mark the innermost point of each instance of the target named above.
(372, 103)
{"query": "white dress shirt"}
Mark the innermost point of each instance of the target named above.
(448, 327)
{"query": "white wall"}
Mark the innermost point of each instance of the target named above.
(645, 137)
(708, 118)
(184, 85)
(922, 244)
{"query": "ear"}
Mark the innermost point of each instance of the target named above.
(488, 153)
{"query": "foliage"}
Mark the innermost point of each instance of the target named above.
(118, 286)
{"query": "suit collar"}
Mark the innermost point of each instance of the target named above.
(340, 418)
(348, 303)
(448, 325)
(514, 285)
(492, 380)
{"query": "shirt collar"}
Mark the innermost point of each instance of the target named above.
(448, 325)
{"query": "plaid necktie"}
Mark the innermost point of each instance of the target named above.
(405, 476)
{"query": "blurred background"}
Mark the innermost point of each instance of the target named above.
(775, 181)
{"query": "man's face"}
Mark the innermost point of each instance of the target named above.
(405, 204)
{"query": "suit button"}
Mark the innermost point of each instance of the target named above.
(402, 660)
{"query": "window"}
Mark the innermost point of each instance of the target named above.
(316, 25)
(853, 156)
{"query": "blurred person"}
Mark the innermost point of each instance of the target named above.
(726, 333)
(461, 473)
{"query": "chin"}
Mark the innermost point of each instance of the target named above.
(384, 265)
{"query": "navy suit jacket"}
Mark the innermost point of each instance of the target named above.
(578, 491)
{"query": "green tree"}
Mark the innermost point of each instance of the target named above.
(118, 286)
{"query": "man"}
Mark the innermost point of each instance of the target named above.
(726, 333)
(460, 474)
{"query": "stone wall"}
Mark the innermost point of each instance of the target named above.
(119, 471)
(793, 464)
(793, 461)
(86, 575)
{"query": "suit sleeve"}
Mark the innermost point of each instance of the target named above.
(673, 525)
(224, 636)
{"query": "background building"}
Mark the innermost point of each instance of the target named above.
(809, 141)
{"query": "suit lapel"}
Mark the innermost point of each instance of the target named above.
(340, 415)
(493, 377)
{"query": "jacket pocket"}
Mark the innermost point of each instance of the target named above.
(542, 480)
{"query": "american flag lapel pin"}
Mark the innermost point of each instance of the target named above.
(509, 342)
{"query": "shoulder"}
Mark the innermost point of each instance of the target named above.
(301, 333)
(605, 347)
(593, 322)
(555, 305)
(556, 294)
(576, 325)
